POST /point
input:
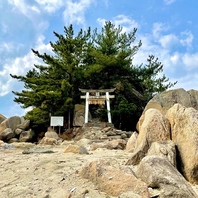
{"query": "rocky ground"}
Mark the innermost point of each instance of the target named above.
(47, 171)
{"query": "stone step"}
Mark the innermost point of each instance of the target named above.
(98, 124)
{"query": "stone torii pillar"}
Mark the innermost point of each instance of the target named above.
(93, 96)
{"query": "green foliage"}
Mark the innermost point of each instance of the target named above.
(92, 61)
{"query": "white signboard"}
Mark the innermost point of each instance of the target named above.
(56, 121)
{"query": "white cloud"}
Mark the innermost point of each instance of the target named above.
(190, 61)
(125, 22)
(26, 9)
(168, 41)
(4, 27)
(8, 47)
(158, 28)
(188, 81)
(175, 58)
(168, 2)
(106, 2)
(187, 39)
(20, 66)
(50, 5)
(75, 11)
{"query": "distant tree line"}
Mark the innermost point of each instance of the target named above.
(91, 60)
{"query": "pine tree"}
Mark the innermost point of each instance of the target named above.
(97, 60)
(52, 88)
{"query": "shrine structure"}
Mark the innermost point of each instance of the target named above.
(97, 96)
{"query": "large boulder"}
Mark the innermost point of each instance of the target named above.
(2, 118)
(113, 181)
(48, 141)
(109, 144)
(75, 149)
(79, 115)
(11, 122)
(165, 149)
(52, 134)
(27, 136)
(7, 134)
(157, 172)
(130, 146)
(184, 133)
(193, 98)
(50, 138)
(165, 100)
(155, 127)
(25, 124)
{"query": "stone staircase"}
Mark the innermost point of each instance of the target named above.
(95, 122)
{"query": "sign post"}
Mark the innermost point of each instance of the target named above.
(56, 121)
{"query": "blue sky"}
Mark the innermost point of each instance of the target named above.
(168, 29)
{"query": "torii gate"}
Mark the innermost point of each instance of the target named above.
(97, 98)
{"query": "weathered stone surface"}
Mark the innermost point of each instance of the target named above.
(165, 100)
(113, 181)
(193, 98)
(184, 133)
(164, 149)
(106, 129)
(155, 127)
(52, 134)
(112, 144)
(79, 115)
(12, 140)
(130, 146)
(23, 145)
(118, 144)
(7, 134)
(75, 149)
(129, 194)
(2, 118)
(48, 141)
(11, 122)
(25, 124)
(157, 172)
(27, 136)
(84, 142)
(18, 131)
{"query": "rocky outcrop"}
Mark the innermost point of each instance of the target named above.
(27, 136)
(102, 133)
(165, 149)
(7, 134)
(180, 124)
(157, 172)
(130, 146)
(50, 138)
(184, 133)
(14, 129)
(109, 144)
(11, 123)
(113, 181)
(155, 127)
(79, 115)
(2, 118)
(167, 99)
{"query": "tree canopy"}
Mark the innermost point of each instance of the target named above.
(91, 60)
